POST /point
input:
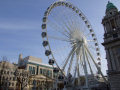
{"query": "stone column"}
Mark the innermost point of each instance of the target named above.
(110, 66)
(112, 59)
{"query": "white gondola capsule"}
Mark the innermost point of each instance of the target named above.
(80, 14)
(66, 4)
(43, 34)
(44, 19)
(93, 35)
(99, 63)
(45, 14)
(86, 22)
(96, 44)
(88, 26)
(45, 43)
(59, 3)
(51, 62)
(55, 70)
(94, 39)
(97, 49)
(83, 18)
(63, 3)
(48, 8)
(77, 11)
(47, 52)
(98, 58)
(91, 30)
(43, 26)
(98, 54)
(70, 6)
(73, 8)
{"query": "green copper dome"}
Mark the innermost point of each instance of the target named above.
(110, 6)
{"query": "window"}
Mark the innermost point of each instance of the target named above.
(44, 71)
(33, 71)
(6, 78)
(4, 72)
(7, 72)
(40, 71)
(110, 13)
(3, 78)
(11, 73)
(10, 78)
(1, 71)
(14, 78)
(115, 35)
(20, 74)
(48, 72)
(118, 51)
(113, 24)
(9, 83)
(12, 84)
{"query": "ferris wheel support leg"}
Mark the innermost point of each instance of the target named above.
(70, 65)
(89, 63)
(96, 65)
(79, 82)
(85, 68)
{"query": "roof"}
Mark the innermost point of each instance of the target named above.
(110, 6)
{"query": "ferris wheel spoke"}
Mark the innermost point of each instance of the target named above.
(88, 63)
(85, 66)
(61, 48)
(58, 38)
(61, 24)
(64, 32)
(69, 22)
(72, 51)
(91, 46)
(87, 35)
(70, 54)
(75, 71)
(78, 71)
(96, 65)
(70, 64)
(57, 28)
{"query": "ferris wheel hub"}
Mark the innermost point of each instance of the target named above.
(78, 38)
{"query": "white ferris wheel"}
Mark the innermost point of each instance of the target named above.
(70, 44)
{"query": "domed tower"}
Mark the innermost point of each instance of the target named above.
(111, 23)
(20, 59)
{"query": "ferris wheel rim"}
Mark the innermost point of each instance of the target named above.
(57, 3)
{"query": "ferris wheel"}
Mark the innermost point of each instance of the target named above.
(70, 43)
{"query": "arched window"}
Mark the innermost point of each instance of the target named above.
(113, 24)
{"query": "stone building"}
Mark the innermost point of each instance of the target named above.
(29, 74)
(41, 74)
(8, 79)
(111, 23)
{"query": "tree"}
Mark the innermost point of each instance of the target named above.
(22, 78)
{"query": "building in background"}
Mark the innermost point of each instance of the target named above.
(111, 23)
(8, 79)
(29, 74)
(41, 74)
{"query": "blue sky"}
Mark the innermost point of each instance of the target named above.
(20, 25)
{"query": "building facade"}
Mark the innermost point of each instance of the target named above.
(42, 75)
(111, 23)
(29, 74)
(9, 80)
